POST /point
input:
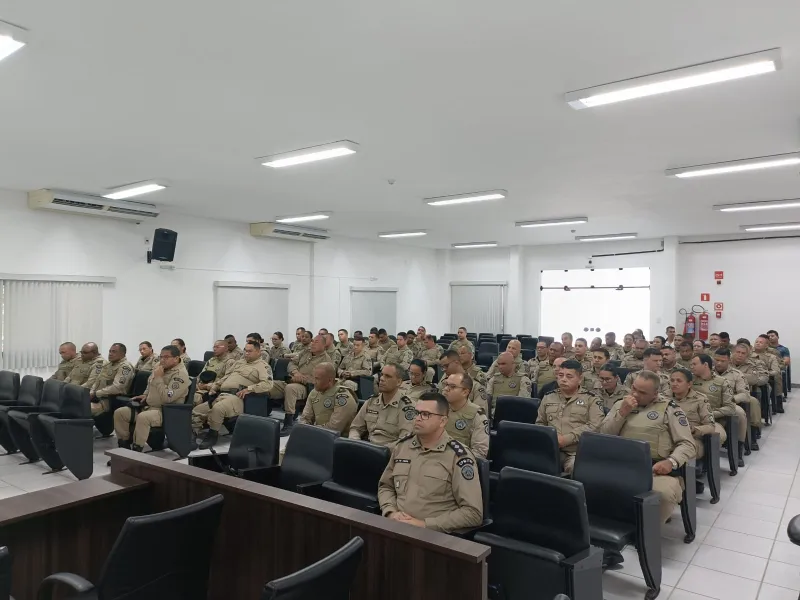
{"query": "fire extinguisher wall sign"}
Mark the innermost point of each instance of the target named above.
(689, 325)
(703, 334)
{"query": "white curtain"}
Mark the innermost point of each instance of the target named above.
(373, 308)
(38, 316)
(479, 308)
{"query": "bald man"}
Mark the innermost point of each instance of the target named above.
(69, 358)
(515, 349)
(507, 381)
(543, 373)
(86, 370)
(553, 385)
(330, 405)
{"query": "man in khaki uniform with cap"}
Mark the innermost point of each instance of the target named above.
(515, 349)
(467, 423)
(330, 405)
(355, 364)
(461, 341)
(216, 365)
(543, 373)
(431, 480)
(114, 379)
(301, 372)
(69, 358)
(168, 384)
(720, 396)
(147, 357)
(645, 415)
(571, 410)
(250, 375)
(507, 381)
(467, 360)
(741, 394)
(416, 384)
(431, 355)
(385, 418)
(451, 365)
(87, 369)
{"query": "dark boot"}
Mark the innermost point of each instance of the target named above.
(699, 487)
(754, 435)
(741, 454)
(288, 423)
(209, 439)
(136, 448)
(779, 402)
(611, 559)
(124, 444)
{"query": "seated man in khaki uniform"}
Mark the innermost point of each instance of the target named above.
(214, 369)
(250, 375)
(467, 423)
(234, 351)
(669, 359)
(451, 365)
(467, 360)
(741, 393)
(461, 341)
(416, 384)
(355, 364)
(168, 384)
(115, 379)
(515, 349)
(385, 418)
(686, 353)
(330, 405)
(543, 373)
(600, 358)
(431, 480)
(608, 388)
(635, 360)
(146, 357)
(652, 362)
(507, 381)
(86, 370)
(69, 357)
(431, 355)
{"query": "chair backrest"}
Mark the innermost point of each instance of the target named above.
(473, 337)
(622, 372)
(504, 344)
(514, 408)
(546, 389)
(139, 384)
(329, 578)
(195, 367)
(52, 395)
(309, 456)
(255, 442)
(526, 446)
(613, 470)
(528, 354)
(207, 356)
(529, 343)
(490, 348)
(76, 403)
(483, 475)
(366, 387)
(546, 339)
(30, 391)
(185, 539)
(560, 521)
(9, 386)
(522, 336)
(192, 389)
(358, 464)
(281, 369)
(5, 573)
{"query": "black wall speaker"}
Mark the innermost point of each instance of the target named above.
(164, 241)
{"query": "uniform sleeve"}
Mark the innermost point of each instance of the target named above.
(307, 417)
(93, 375)
(120, 385)
(490, 389)
(387, 496)
(684, 449)
(344, 408)
(541, 417)
(525, 387)
(468, 497)
(772, 365)
(173, 391)
(479, 442)
(728, 408)
(760, 375)
(216, 385)
(595, 416)
(741, 391)
(365, 370)
(534, 368)
(264, 384)
(613, 422)
(292, 366)
(707, 421)
(358, 429)
(406, 426)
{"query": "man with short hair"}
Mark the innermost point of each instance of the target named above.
(467, 359)
(322, 331)
(635, 360)
(651, 361)
(213, 372)
(384, 341)
(388, 416)
(668, 358)
(741, 393)
(599, 358)
(670, 339)
(419, 342)
(566, 341)
(713, 342)
(330, 348)
(147, 358)
(298, 334)
(181, 345)
(87, 369)
(541, 354)
(724, 340)
(686, 352)
(355, 364)
(514, 348)
(431, 355)
(582, 355)
(397, 354)
(553, 385)
(543, 373)
(771, 364)
(372, 348)
(461, 341)
(69, 358)
(783, 351)
(408, 494)
(467, 422)
(330, 405)
(571, 410)
(677, 341)
(627, 344)
(451, 365)
(719, 393)
(114, 379)
(755, 375)
(614, 349)
(344, 345)
(250, 375)
(507, 380)
(302, 347)
(234, 351)
(416, 384)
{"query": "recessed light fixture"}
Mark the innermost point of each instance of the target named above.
(134, 189)
(766, 205)
(307, 155)
(467, 198)
(606, 238)
(12, 38)
(771, 227)
(402, 234)
(717, 71)
(476, 245)
(552, 222)
(304, 218)
(737, 166)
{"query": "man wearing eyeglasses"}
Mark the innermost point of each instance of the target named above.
(431, 480)
(467, 423)
(385, 418)
(451, 365)
(608, 386)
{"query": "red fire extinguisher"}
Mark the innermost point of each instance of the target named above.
(703, 334)
(689, 325)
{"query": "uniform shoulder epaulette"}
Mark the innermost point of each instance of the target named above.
(406, 400)
(672, 403)
(342, 396)
(457, 447)
(406, 437)
(591, 393)
(554, 391)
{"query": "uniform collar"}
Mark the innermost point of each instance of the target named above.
(440, 447)
(395, 401)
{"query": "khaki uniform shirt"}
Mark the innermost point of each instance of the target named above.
(217, 365)
(431, 356)
(543, 373)
(276, 352)
(344, 349)
(306, 364)
(477, 374)
(684, 364)
(477, 396)
(114, 379)
(384, 424)
(372, 351)
(632, 363)
(383, 348)
(665, 388)
(514, 385)
(171, 388)
(253, 376)
(569, 353)
(739, 387)
(719, 394)
(456, 344)
(609, 400)
(65, 368)
(358, 365)
(396, 356)
(413, 392)
(470, 426)
(770, 363)
(698, 411)
(754, 372)
(616, 351)
(333, 409)
(85, 374)
(662, 424)
(590, 379)
(417, 347)
(439, 485)
(146, 364)
(521, 367)
(571, 416)
(236, 353)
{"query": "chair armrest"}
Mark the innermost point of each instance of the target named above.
(75, 422)
(648, 498)
(310, 488)
(267, 475)
(467, 532)
(257, 404)
(76, 582)
(35, 415)
(178, 407)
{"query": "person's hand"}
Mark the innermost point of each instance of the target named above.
(345, 374)
(138, 398)
(202, 386)
(411, 520)
(662, 467)
(398, 516)
(158, 371)
(297, 377)
(693, 429)
(243, 393)
(628, 404)
(91, 395)
(562, 440)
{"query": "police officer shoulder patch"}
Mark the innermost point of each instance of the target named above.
(486, 426)
(512, 384)
(409, 413)
(178, 380)
(673, 404)
(467, 468)
(176, 385)
(458, 448)
(712, 388)
(328, 403)
(683, 421)
(126, 370)
(461, 424)
(341, 400)
(652, 415)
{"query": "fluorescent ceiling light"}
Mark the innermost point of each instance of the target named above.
(772, 227)
(402, 234)
(12, 38)
(717, 71)
(307, 155)
(303, 218)
(748, 206)
(606, 238)
(466, 198)
(736, 166)
(552, 222)
(134, 189)
(476, 245)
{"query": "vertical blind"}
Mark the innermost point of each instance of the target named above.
(38, 316)
(370, 308)
(243, 310)
(479, 308)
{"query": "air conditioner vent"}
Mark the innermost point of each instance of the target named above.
(94, 206)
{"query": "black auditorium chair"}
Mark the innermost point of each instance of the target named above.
(528, 354)
(490, 348)
(5, 574)
(503, 336)
(622, 373)
(281, 369)
(617, 476)
(185, 541)
(537, 554)
(515, 408)
(546, 339)
(366, 387)
(176, 425)
(255, 444)
(357, 469)
(546, 389)
(523, 446)
(710, 467)
(19, 426)
(330, 578)
(195, 367)
(731, 425)
(207, 356)
(529, 343)
(65, 438)
(9, 388)
(762, 394)
(30, 395)
(504, 344)
(104, 422)
(486, 336)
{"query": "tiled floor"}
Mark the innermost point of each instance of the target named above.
(741, 551)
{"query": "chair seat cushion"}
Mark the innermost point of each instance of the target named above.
(333, 489)
(793, 530)
(611, 534)
(48, 422)
(526, 548)
(20, 417)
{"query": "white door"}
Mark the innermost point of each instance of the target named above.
(480, 307)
